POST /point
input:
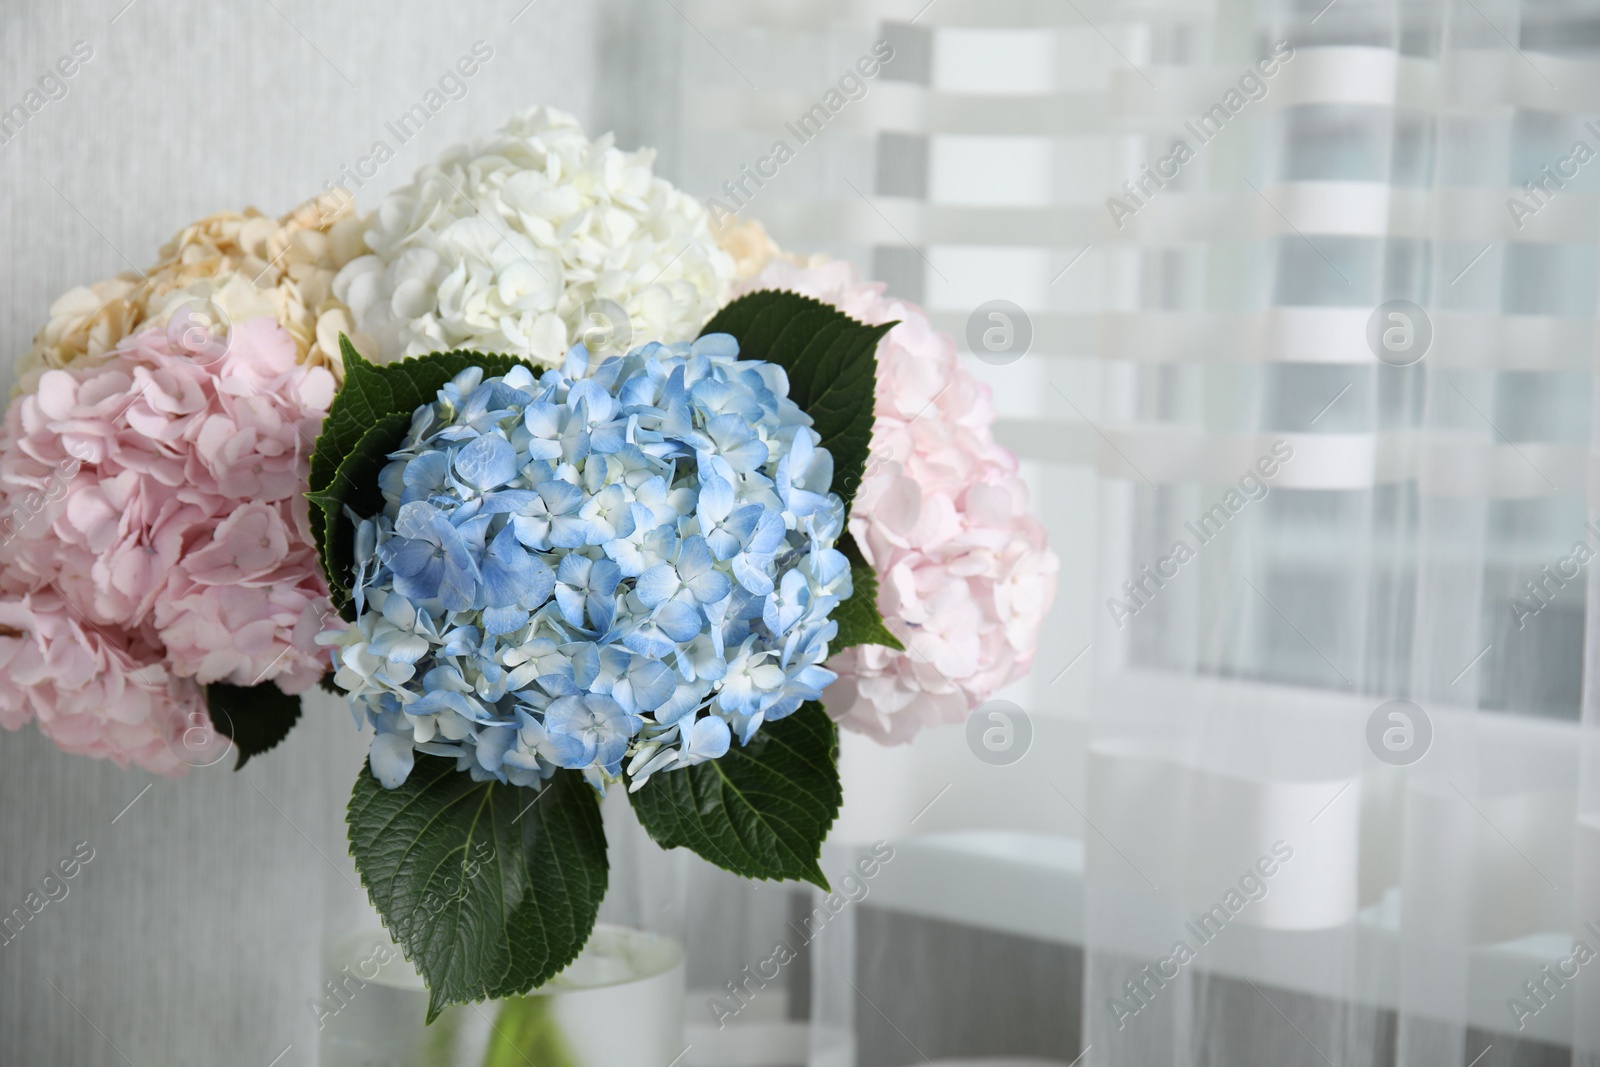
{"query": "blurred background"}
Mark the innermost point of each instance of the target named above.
(1288, 311)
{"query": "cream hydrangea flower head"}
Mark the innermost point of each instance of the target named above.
(529, 240)
(246, 264)
(753, 249)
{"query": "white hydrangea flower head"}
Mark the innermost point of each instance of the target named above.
(531, 240)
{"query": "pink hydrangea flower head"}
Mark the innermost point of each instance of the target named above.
(95, 690)
(158, 497)
(965, 574)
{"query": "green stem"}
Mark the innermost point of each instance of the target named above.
(526, 1031)
(439, 1041)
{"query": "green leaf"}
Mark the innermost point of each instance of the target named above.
(832, 363)
(355, 483)
(371, 392)
(255, 718)
(490, 889)
(762, 810)
(859, 621)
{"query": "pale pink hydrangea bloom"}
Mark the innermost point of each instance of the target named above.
(95, 690)
(965, 575)
(157, 499)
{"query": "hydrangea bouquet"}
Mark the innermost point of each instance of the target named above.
(506, 467)
(620, 572)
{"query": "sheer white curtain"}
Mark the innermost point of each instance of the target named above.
(1402, 511)
(1350, 881)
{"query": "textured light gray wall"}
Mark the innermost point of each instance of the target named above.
(193, 935)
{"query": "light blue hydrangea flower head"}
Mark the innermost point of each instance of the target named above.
(631, 564)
